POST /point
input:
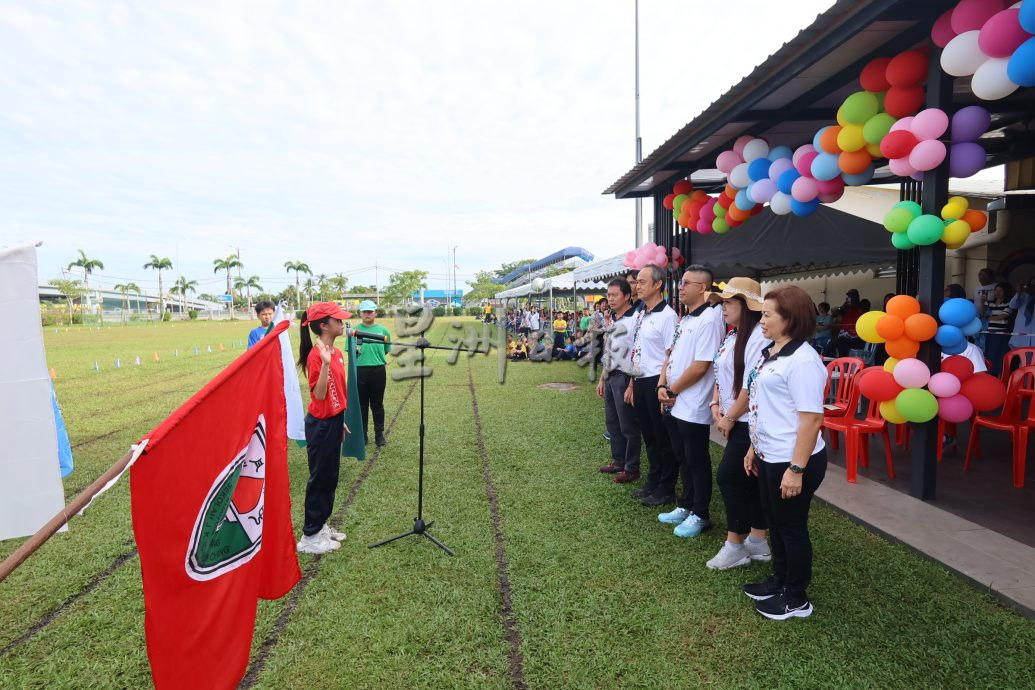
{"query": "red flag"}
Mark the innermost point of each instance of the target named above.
(212, 519)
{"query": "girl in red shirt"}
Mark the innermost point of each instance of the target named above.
(325, 427)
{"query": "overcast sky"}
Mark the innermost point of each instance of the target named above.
(345, 134)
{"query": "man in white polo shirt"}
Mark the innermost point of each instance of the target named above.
(654, 327)
(686, 383)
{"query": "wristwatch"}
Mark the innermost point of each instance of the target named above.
(797, 469)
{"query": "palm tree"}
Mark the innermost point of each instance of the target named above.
(227, 264)
(298, 267)
(159, 265)
(340, 284)
(88, 266)
(181, 288)
(242, 284)
(125, 289)
(321, 286)
(309, 285)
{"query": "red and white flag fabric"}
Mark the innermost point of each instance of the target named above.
(212, 519)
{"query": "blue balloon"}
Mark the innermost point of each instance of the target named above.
(786, 180)
(824, 167)
(758, 169)
(1027, 16)
(815, 139)
(957, 312)
(860, 179)
(949, 336)
(973, 327)
(780, 152)
(743, 201)
(804, 208)
(1021, 67)
(957, 348)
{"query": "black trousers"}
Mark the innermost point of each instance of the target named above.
(789, 522)
(690, 448)
(739, 489)
(621, 423)
(662, 470)
(372, 382)
(323, 439)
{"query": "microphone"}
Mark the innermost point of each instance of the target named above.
(363, 335)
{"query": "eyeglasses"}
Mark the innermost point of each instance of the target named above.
(684, 283)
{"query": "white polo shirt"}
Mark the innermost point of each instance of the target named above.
(652, 337)
(723, 364)
(696, 339)
(779, 388)
(618, 342)
(533, 321)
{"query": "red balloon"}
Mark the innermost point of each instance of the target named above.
(877, 384)
(902, 101)
(756, 209)
(985, 391)
(959, 366)
(699, 195)
(873, 75)
(725, 201)
(907, 69)
(897, 144)
(682, 187)
(667, 201)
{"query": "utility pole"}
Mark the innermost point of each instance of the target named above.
(639, 142)
(377, 288)
(454, 273)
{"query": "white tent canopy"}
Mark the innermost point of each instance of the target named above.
(561, 283)
(603, 270)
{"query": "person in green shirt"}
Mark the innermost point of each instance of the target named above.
(370, 371)
(584, 321)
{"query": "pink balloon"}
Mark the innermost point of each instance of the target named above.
(927, 155)
(778, 167)
(738, 145)
(662, 261)
(929, 124)
(801, 151)
(676, 253)
(1002, 34)
(804, 189)
(708, 213)
(942, 31)
(956, 409)
(727, 160)
(902, 123)
(911, 373)
(901, 167)
(944, 385)
(630, 259)
(804, 164)
(704, 226)
(830, 186)
(972, 14)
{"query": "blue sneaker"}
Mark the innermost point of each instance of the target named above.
(675, 517)
(692, 526)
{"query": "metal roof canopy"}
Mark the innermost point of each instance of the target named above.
(795, 92)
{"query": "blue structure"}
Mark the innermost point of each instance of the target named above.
(441, 295)
(556, 257)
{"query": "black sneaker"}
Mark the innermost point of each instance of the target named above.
(760, 591)
(643, 492)
(659, 499)
(379, 438)
(779, 608)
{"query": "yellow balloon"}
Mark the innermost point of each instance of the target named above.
(874, 150)
(866, 326)
(850, 138)
(956, 232)
(954, 246)
(890, 412)
(841, 116)
(889, 365)
(962, 200)
(953, 211)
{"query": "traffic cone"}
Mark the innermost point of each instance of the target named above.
(96, 366)
(137, 360)
(210, 348)
(118, 363)
(53, 374)
(176, 353)
(221, 348)
(157, 358)
(195, 349)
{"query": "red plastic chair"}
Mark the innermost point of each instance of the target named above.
(904, 432)
(1015, 359)
(1013, 419)
(854, 431)
(843, 370)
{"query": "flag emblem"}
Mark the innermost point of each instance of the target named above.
(228, 530)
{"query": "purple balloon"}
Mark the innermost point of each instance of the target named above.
(762, 191)
(779, 166)
(968, 124)
(966, 159)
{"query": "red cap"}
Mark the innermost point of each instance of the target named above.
(324, 309)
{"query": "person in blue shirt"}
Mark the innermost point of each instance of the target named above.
(264, 310)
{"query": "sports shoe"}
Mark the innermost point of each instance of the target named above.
(658, 499)
(317, 544)
(759, 551)
(607, 435)
(692, 526)
(778, 608)
(611, 469)
(332, 533)
(643, 492)
(625, 477)
(379, 439)
(760, 591)
(674, 517)
(730, 556)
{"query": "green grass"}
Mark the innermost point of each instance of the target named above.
(603, 595)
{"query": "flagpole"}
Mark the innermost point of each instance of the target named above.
(48, 530)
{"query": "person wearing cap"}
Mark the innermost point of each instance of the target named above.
(734, 360)
(325, 427)
(370, 371)
(787, 453)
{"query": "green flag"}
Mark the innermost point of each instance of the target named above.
(354, 445)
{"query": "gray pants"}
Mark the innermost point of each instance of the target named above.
(622, 424)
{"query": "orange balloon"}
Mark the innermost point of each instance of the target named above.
(683, 220)
(921, 327)
(903, 348)
(854, 162)
(975, 219)
(730, 191)
(736, 214)
(828, 140)
(699, 194)
(903, 306)
(890, 327)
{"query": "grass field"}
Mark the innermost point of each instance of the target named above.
(598, 595)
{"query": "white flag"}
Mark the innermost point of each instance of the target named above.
(292, 394)
(30, 479)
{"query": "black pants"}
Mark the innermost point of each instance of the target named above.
(621, 424)
(371, 382)
(661, 475)
(845, 344)
(739, 489)
(323, 439)
(789, 522)
(690, 447)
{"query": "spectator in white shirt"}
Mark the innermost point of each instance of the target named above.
(1022, 307)
(616, 388)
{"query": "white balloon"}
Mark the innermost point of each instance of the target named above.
(990, 81)
(756, 148)
(739, 177)
(961, 57)
(780, 204)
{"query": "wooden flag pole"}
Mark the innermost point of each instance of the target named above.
(48, 530)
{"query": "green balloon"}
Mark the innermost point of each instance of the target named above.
(877, 127)
(914, 208)
(719, 224)
(860, 107)
(720, 212)
(925, 230)
(917, 405)
(677, 203)
(897, 219)
(901, 241)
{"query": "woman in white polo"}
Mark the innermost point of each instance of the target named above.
(785, 415)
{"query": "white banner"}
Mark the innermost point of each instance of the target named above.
(30, 479)
(292, 394)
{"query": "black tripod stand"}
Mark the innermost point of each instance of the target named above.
(419, 526)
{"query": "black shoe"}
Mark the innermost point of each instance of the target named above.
(780, 608)
(760, 591)
(607, 435)
(379, 439)
(643, 492)
(659, 499)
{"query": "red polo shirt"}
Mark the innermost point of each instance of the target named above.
(335, 401)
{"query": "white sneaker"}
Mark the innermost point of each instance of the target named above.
(317, 544)
(332, 533)
(675, 517)
(730, 556)
(759, 551)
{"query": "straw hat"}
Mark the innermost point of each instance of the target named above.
(750, 290)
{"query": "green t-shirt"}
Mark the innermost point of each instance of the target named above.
(584, 324)
(372, 353)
